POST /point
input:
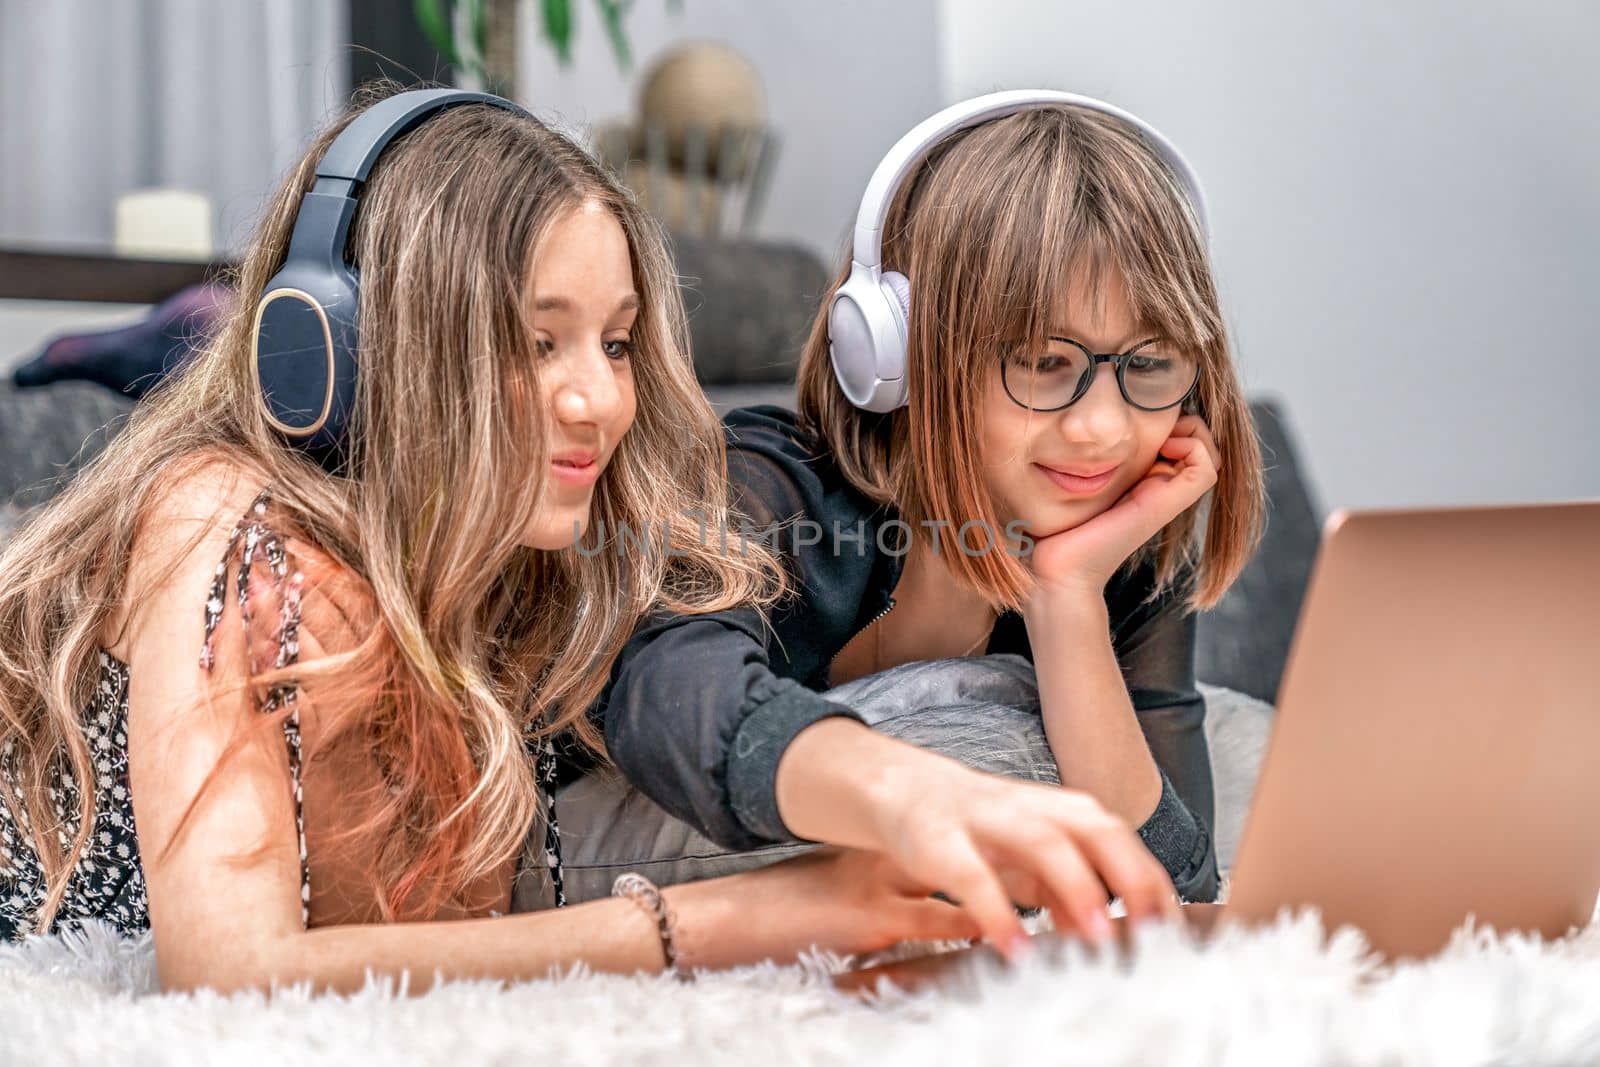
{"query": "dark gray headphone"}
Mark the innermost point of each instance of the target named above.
(307, 319)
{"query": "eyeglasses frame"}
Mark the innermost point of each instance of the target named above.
(1121, 359)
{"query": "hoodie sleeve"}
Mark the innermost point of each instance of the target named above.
(695, 715)
(696, 719)
(1154, 642)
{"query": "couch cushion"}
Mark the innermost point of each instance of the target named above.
(751, 304)
(1244, 641)
(47, 433)
(725, 398)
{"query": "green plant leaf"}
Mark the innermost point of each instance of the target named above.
(478, 23)
(611, 14)
(558, 28)
(434, 20)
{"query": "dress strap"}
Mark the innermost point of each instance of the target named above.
(252, 537)
(545, 771)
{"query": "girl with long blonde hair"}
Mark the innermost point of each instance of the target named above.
(298, 716)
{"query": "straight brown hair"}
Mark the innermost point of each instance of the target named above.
(991, 229)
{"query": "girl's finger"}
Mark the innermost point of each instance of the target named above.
(1129, 870)
(1189, 453)
(1194, 426)
(975, 887)
(1023, 888)
(1077, 895)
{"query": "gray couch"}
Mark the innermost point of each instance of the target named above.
(46, 435)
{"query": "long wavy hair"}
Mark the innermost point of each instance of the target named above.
(991, 229)
(477, 644)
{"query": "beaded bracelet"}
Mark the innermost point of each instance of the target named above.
(642, 891)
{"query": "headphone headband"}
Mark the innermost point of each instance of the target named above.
(323, 220)
(359, 144)
(910, 149)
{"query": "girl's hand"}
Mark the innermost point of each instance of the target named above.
(986, 842)
(990, 842)
(1080, 561)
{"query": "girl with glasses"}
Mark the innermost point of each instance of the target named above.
(1003, 570)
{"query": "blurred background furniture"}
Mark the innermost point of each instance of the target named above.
(698, 150)
(699, 153)
(164, 223)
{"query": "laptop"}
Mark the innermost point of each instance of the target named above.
(1435, 750)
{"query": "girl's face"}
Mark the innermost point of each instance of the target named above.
(584, 305)
(1054, 470)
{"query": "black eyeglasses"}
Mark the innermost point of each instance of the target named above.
(1153, 376)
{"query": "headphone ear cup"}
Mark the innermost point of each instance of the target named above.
(891, 393)
(304, 358)
(344, 315)
(900, 286)
(867, 340)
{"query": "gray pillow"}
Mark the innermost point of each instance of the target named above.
(607, 826)
(1237, 730)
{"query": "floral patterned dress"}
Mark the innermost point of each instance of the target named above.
(108, 881)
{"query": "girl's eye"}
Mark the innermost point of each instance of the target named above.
(542, 348)
(1038, 364)
(1149, 364)
(617, 349)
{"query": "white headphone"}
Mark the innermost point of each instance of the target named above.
(867, 320)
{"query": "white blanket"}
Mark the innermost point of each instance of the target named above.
(1278, 996)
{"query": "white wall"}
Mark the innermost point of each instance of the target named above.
(1407, 205)
(838, 99)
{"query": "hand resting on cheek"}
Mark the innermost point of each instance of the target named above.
(1082, 560)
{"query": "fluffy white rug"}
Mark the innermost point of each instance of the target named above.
(1278, 995)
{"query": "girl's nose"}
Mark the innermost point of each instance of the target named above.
(1101, 416)
(588, 391)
